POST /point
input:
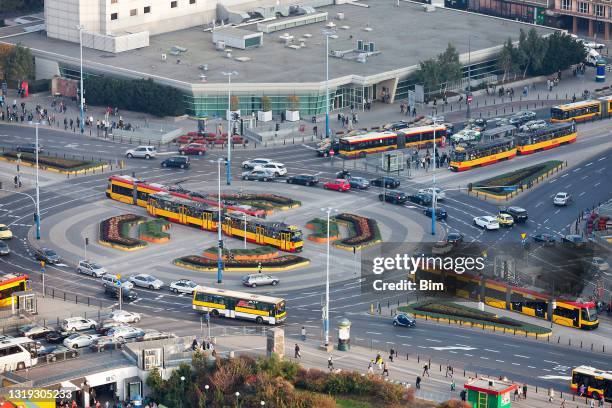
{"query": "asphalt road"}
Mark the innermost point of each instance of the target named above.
(538, 363)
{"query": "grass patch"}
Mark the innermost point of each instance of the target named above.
(445, 310)
(351, 403)
(263, 250)
(60, 163)
(319, 226)
(260, 200)
(154, 228)
(518, 179)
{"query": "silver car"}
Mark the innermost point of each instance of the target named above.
(259, 279)
(146, 281)
(90, 268)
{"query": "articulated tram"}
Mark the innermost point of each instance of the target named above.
(471, 155)
(582, 111)
(201, 215)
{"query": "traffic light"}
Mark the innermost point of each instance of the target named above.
(470, 187)
(118, 291)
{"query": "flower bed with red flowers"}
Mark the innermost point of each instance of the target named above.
(364, 231)
(114, 232)
(280, 263)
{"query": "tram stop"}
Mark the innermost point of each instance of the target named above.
(489, 393)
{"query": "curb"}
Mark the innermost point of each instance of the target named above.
(120, 247)
(100, 167)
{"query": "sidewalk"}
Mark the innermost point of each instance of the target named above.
(435, 387)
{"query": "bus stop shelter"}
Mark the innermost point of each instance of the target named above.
(489, 393)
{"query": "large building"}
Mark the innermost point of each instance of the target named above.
(593, 17)
(375, 49)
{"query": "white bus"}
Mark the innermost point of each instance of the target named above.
(17, 353)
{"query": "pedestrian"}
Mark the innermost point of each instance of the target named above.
(602, 401)
(418, 383)
(425, 370)
(16, 181)
(297, 351)
(391, 353)
(517, 396)
(562, 404)
(449, 371)
(315, 131)
(194, 344)
(524, 391)
(98, 405)
(207, 318)
(385, 369)
(303, 333)
(379, 361)
(330, 363)
(592, 403)
(581, 390)
(413, 111)
(371, 367)
(74, 404)
(453, 386)
(463, 395)
(551, 395)
(107, 404)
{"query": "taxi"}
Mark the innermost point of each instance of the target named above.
(505, 220)
(5, 232)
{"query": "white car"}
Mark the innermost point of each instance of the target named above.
(487, 222)
(90, 268)
(183, 286)
(78, 323)
(562, 199)
(593, 45)
(278, 169)
(440, 194)
(124, 316)
(142, 152)
(532, 125)
(124, 332)
(150, 334)
(146, 281)
(251, 164)
(466, 135)
(77, 340)
(111, 280)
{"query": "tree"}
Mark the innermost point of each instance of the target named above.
(155, 384)
(429, 74)
(266, 103)
(19, 63)
(450, 67)
(234, 102)
(562, 52)
(294, 102)
(507, 58)
(531, 52)
(5, 49)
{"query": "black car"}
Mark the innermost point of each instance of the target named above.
(574, 240)
(324, 151)
(303, 179)
(521, 117)
(47, 255)
(56, 336)
(359, 183)
(61, 353)
(404, 320)
(4, 248)
(454, 238)
(546, 239)
(517, 213)
(420, 198)
(440, 213)
(389, 182)
(182, 162)
(128, 295)
(344, 174)
(29, 148)
(394, 197)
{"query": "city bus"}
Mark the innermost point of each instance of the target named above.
(188, 212)
(360, 145)
(471, 155)
(596, 382)
(572, 313)
(17, 353)
(9, 284)
(557, 134)
(581, 111)
(239, 305)
(130, 190)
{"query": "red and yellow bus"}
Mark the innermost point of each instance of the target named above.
(596, 382)
(9, 284)
(582, 111)
(572, 313)
(379, 141)
(188, 212)
(129, 190)
(482, 154)
(557, 134)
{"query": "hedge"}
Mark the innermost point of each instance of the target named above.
(53, 162)
(154, 228)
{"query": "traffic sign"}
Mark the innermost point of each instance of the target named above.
(118, 276)
(42, 264)
(331, 152)
(469, 98)
(523, 235)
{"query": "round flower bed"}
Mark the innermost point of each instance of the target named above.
(256, 254)
(278, 264)
(114, 232)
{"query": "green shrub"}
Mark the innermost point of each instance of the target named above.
(320, 228)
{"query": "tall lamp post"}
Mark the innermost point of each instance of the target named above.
(81, 28)
(469, 92)
(433, 190)
(229, 125)
(327, 34)
(37, 215)
(325, 313)
(219, 221)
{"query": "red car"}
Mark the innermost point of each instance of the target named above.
(338, 185)
(184, 139)
(236, 139)
(193, 148)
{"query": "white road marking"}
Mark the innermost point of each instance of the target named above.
(376, 333)
(434, 340)
(539, 204)
(446, 348)
(499, 361)
(603, 158)
(492, 351)
(484, 358)
(555, 377)
(596, 184)
(578, 169)
(520, 356)
(588, 164)
(581, 194)
(545, 221)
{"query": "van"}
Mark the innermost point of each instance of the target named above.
(111, 280)
(592, 58)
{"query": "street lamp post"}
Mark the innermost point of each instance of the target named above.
(18, 184)
(244, 215)
(469, 92)
(219, 237)
(37, 215)
(327, 34)
(81, 28)
(433, 190)
(328, 210)
(229, 126)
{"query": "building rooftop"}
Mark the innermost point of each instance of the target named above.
(404, 36)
